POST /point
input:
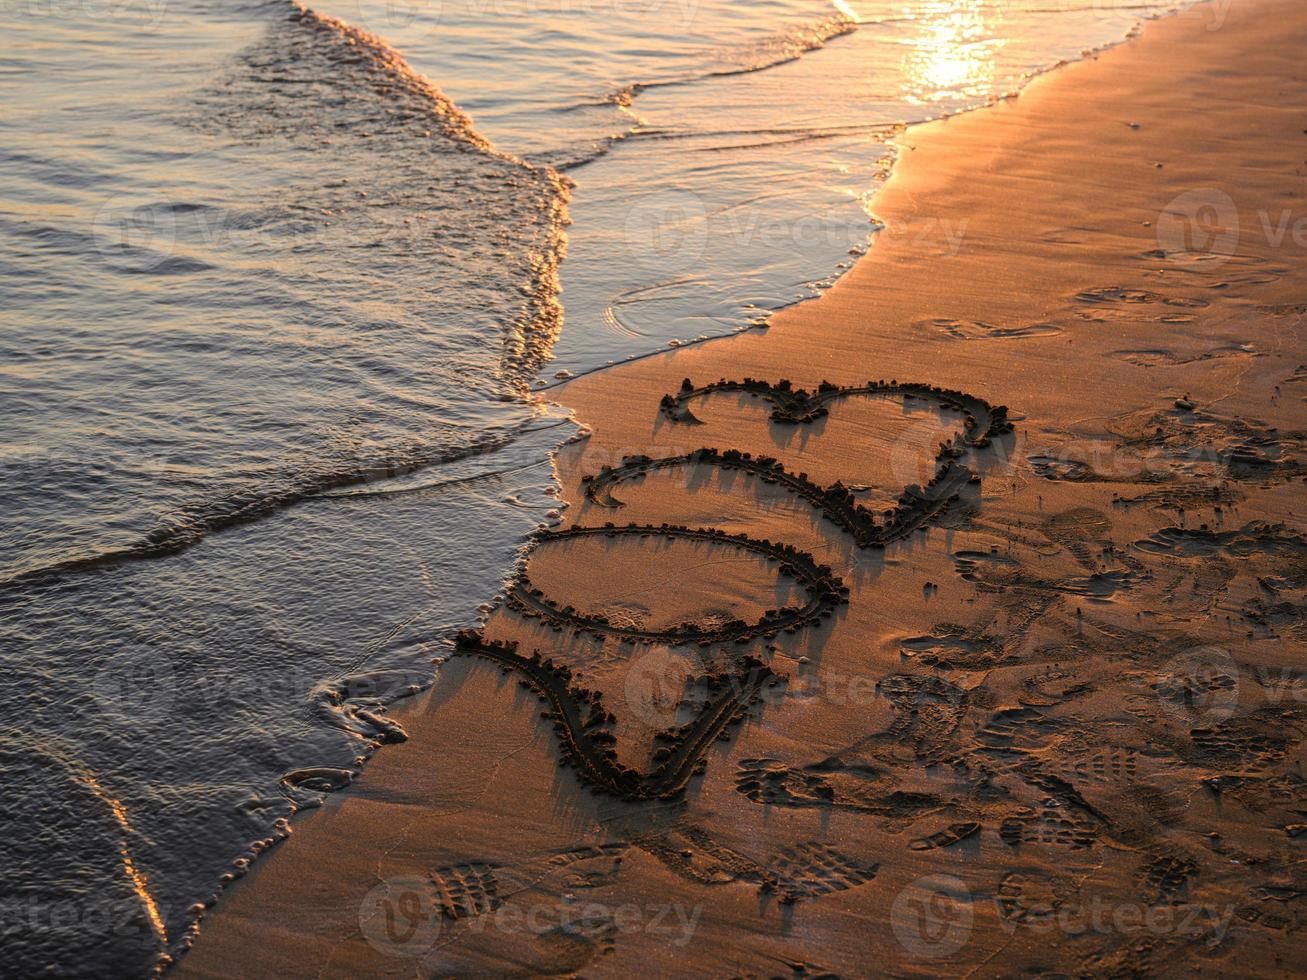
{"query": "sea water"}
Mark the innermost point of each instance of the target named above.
(277, 286)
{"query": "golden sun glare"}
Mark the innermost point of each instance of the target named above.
(953, 52)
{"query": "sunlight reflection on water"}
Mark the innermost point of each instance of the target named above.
(955, 54)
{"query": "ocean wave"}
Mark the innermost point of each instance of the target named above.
(347, 282)
(302, 292)
(191, 525)
(773, 51)
(291, 89)
(296, 293)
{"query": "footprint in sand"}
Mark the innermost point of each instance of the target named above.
(811, 869)
(952, 647)
(1187, 441)
(981, 330)
(1164, 357)
(947, 837)
(1053, 824)
(1165, 876)
(1108, 303)
(830, 785)
(1024, 896)
(1113, 295)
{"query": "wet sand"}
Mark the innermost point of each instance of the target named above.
(986, 658)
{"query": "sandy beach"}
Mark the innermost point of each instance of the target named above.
(953, 624)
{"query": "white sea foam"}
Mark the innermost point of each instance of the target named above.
(271, 303)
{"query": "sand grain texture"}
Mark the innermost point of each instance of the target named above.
(1056, 725)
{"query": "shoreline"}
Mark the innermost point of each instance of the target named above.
(545, 383)
(805, 342)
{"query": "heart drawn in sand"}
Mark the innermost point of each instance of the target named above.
(579, 718)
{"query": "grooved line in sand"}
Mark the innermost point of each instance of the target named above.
(579, 718)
